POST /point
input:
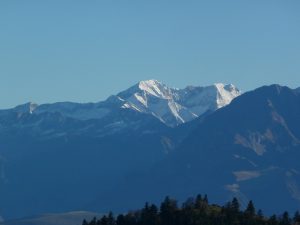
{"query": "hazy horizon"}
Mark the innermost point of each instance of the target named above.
(40, 103)
(55, 51)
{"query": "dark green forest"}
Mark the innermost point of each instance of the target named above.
(196, 211)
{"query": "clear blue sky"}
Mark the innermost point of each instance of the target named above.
(60, 50)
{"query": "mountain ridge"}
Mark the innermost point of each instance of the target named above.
(249, 149)
(170, 105)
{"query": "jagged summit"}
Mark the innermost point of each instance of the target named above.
(149, 84)
(226, 93)
(147, 87)
(175, 106)
(154, 88)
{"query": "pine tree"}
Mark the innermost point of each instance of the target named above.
(205, 199)
(104, 220)
(153, 211)
(189, 203)
(235, 205)
(110, 219)
(296, 218)
(198, 201)
(201, 203)
(273, 220)
(145, 214)
(260, 214)
(250, 210)
(167, 211)
(94, 221)
(285, 219)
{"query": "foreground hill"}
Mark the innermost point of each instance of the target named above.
(249, 149)
(196, 211)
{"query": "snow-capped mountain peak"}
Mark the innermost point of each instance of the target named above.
(175, 106)
(155, 88)
(226, 93)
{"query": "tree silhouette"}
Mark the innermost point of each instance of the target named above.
(195, 212)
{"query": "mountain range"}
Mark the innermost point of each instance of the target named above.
(171, 106)
(150, 141)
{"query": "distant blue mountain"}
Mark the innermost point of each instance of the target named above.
(137, 146)
(59, 157)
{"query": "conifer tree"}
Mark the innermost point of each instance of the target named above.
(94, 221)
(235, 205)
(167, 211)
(285, 219)
(104, 220)
(296, 218)
(121, 220)
(260, 214)
(250, 210)
(273, 220)
(197, 212)
(110, 219)
(198, 201)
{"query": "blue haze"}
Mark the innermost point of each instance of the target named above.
(86, 50)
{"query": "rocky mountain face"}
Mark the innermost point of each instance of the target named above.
(177, 106)
(249, 149)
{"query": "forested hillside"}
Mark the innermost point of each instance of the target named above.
(197, 211)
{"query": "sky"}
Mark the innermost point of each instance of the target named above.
(84, 51)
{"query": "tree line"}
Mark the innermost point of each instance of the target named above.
(196, 211)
